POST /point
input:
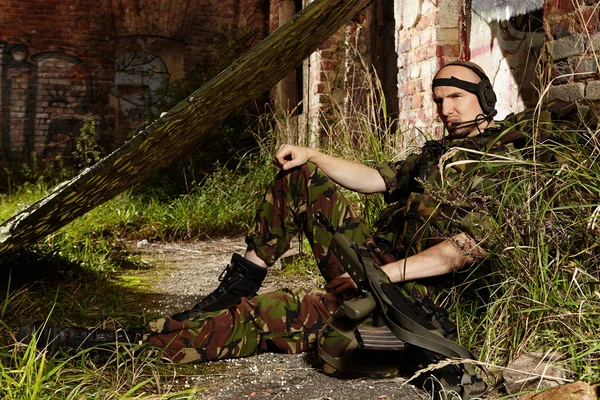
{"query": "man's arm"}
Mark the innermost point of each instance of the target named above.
(451, 255)
(354, 176)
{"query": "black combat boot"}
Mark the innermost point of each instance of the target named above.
(241, 278)
(54, 337)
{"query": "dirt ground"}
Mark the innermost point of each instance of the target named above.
(182, 272)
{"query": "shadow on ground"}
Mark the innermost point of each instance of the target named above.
(165, 278)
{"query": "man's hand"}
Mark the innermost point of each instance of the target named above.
(341, 284)
(290, 156)
(351, 175)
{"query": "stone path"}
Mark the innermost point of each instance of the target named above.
(181, 272)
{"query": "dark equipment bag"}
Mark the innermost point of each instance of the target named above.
(384, 332)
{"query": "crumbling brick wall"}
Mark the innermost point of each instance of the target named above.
(325, 79)
(419, 49)
(56, 69)
(573, 46)
(63, 62)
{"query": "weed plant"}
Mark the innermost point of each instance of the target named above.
(541, 293)
(56, 165)
(64, 291)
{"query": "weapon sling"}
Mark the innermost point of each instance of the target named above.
(400, 319)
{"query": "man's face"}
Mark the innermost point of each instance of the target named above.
(455, 104)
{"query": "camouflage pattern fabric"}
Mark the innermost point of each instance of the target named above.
(436, 195)
(289, 320)
(289, 207)
(344, 355)
(285, 321)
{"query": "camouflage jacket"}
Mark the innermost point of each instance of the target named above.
(441, 192)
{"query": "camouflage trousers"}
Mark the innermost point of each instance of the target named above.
(284, 321)
(289, 207)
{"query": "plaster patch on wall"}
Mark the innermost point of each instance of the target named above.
(407, 13)
(449, 13)
(507, 49)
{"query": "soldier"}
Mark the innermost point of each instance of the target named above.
(417, 237)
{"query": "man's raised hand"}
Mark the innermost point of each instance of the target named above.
(290, 156)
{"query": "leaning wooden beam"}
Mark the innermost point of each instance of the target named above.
(182, 128)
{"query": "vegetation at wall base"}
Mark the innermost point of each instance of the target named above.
(541, 290)
(539, 293)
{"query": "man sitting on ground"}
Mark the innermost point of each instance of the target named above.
(419, 236)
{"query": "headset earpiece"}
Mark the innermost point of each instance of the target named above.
(485, 91)
(486, 96)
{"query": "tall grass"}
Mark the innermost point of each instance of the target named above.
(23, 196)
(75, 275)
(542, 291)
(126, 372)
(78, 297)
(221, 203)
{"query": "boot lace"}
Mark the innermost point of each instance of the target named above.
(227, 277)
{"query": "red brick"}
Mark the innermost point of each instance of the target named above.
(427, 20)
(425, 52)
(404, 45)
(565, 6)
(416, 101)
(329, 65)
(448, 51)
(589, 21)
(419, 85)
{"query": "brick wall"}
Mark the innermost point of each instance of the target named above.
(420, 43)
(324, 77)
(62, 62)
(255, 13)
(573, 32)
(49, 52)
(214, 18)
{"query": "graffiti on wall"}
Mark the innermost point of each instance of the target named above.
(139, 76)
(505, 9)
(44, 101)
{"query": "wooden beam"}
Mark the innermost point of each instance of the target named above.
(183, 128)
